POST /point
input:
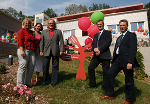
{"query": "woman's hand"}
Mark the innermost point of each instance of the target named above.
(22, 51)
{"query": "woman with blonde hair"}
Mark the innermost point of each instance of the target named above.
(26, 54)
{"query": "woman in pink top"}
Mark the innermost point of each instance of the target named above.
(39, 59)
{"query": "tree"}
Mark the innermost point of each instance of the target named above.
(12, 12)
(21, 16)
(73, 9)
(62, 14)
(31, 17)
(50, 12)
(98, 6)
(148, 13)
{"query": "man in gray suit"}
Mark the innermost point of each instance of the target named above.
(51, 45)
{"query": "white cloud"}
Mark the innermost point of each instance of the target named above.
(19, 5)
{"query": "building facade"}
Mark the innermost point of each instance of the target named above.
(41, 18)
(135, 14)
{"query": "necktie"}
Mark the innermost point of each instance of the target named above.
(118, 43)
(99, 35)
(119, 40)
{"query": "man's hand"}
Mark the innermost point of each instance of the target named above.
(129, 66)
(41, 53)
(97, 51)
(61, 53)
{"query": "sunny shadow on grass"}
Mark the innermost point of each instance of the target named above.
(72, 91)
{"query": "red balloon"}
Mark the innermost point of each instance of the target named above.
(14, 34)
(92, 30)
(88, 40)
(3, 41)
(0, 38)
(84, 23)
(144, 33)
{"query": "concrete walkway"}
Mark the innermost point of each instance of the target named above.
(146, 54)
(5, 59)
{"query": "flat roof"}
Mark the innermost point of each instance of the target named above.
(105, 11)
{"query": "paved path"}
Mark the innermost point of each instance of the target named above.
(146, 54)
(5, 59)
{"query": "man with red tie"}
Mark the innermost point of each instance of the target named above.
(51, 45)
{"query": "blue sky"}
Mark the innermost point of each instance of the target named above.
(31, 7)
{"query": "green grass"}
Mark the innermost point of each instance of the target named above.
(72, 91)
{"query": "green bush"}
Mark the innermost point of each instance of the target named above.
(2, 68)
(139, 71)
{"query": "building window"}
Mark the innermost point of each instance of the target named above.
(73, 32)
(111, 26)
(135, 25)
(38, 20)
(114, 27)
(141, 25)
(84, 33)
(68, 33)
(118, 28)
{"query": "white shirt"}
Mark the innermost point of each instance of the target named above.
(117, 50)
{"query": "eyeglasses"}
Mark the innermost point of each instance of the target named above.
(51, 23)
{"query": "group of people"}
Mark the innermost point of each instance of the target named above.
(124, 58)
(35, 49)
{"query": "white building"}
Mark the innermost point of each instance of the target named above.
(135, 14)
(41, 18)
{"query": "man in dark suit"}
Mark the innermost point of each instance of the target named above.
(100, 47)
(51, 45)
(124, 57)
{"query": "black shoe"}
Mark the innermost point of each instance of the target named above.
(53, 85)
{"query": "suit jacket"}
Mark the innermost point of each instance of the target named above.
(103, 44)
(127, 49)
(54, 45)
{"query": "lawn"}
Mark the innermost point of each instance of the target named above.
(72, 91)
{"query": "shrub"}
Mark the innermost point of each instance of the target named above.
(139, 71)
(2, 68)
